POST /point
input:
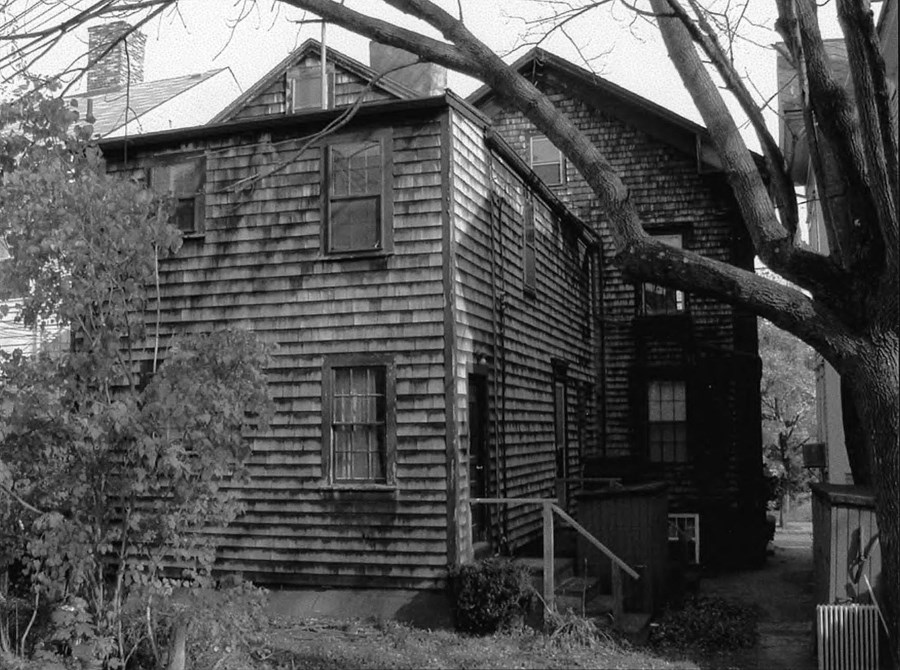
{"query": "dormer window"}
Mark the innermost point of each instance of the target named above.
(304, 89)
(547, 161)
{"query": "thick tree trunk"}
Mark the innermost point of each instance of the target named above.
(874, 379)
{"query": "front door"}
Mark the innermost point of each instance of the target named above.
(479, 461)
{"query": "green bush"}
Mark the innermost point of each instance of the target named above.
(708, 624)
(490, 594)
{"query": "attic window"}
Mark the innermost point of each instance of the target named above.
(304, 89)
(185, 182)
(547, 161)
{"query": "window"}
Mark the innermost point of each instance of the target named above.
(684, 531)
(659, 300)
(304, 89)
(529, 259)
(358, 202)
(667, 421)
(547, 161)
(358, 425)
(185, 182)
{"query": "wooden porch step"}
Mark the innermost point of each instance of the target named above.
(563, 568)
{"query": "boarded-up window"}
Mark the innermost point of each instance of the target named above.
(658, 300)
(185, 182)
(667, 421)
(547, 161)
(357, 189)
(358, 410)
(304, 89)
(529, 257)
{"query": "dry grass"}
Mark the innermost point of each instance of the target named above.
(388, 645)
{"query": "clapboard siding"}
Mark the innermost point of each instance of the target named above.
(672, 196)
(518, 341)
(259, 266)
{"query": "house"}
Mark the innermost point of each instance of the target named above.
(434, 304)
(792, 138)
(679, 373)
(119, 102)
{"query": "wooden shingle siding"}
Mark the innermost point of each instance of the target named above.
(259, 266)
(672, 196)
(514, 335)
(348, 88)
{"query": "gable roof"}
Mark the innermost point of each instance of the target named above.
(309, 48)
(113, 108)
(654, 119)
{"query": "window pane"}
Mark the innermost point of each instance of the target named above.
(355, 224)
(361, 164)
(183, 218)
(358, 424)
(543, 151)
(307, 91)
(667, 421)
(549, 173)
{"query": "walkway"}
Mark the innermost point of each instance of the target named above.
(783, 591)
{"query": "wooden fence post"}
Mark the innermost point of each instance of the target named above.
(618, 595)
(549, 586)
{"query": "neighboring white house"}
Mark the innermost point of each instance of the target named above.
(828, 381)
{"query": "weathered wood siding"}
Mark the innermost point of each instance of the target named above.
(713, 347)
(846, 552)
(272, 100)
(517, 336)
(259, 267)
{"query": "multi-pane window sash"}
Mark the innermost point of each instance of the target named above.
(185, 182)
(358, 424)
(667, 422)
(659, 300)
(547, 161)
(686, 528)
(355, 192)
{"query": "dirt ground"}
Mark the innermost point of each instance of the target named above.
(783, 592)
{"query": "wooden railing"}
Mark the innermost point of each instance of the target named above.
(548, 509)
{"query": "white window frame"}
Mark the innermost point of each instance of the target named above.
(561, 162)
(679, 523)
(310, 73)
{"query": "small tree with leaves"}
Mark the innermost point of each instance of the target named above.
(109, 477)
(788, 397)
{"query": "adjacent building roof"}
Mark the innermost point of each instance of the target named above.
(656, 120)
(157, 105)
(309, 48)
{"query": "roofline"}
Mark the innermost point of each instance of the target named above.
(378, 110)
(366, 111)
(589, 78)
(309, 45)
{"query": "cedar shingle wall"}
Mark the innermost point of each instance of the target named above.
(529, 331)
(259, 267)
(671, 197)
(347, 88)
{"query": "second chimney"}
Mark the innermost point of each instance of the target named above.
(125, 61)
(427, 79)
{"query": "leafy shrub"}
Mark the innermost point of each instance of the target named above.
(488, 595)
(708, 624)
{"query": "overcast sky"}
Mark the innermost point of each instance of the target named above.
(207, 34)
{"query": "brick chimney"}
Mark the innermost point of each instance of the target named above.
(427, 79)
(124, 62)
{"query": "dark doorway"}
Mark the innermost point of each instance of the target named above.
(479, 457)
(561, 430)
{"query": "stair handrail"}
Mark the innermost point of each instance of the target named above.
(549, 508)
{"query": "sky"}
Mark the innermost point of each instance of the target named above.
(250, 38)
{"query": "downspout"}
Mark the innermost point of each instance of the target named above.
(601, 335)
